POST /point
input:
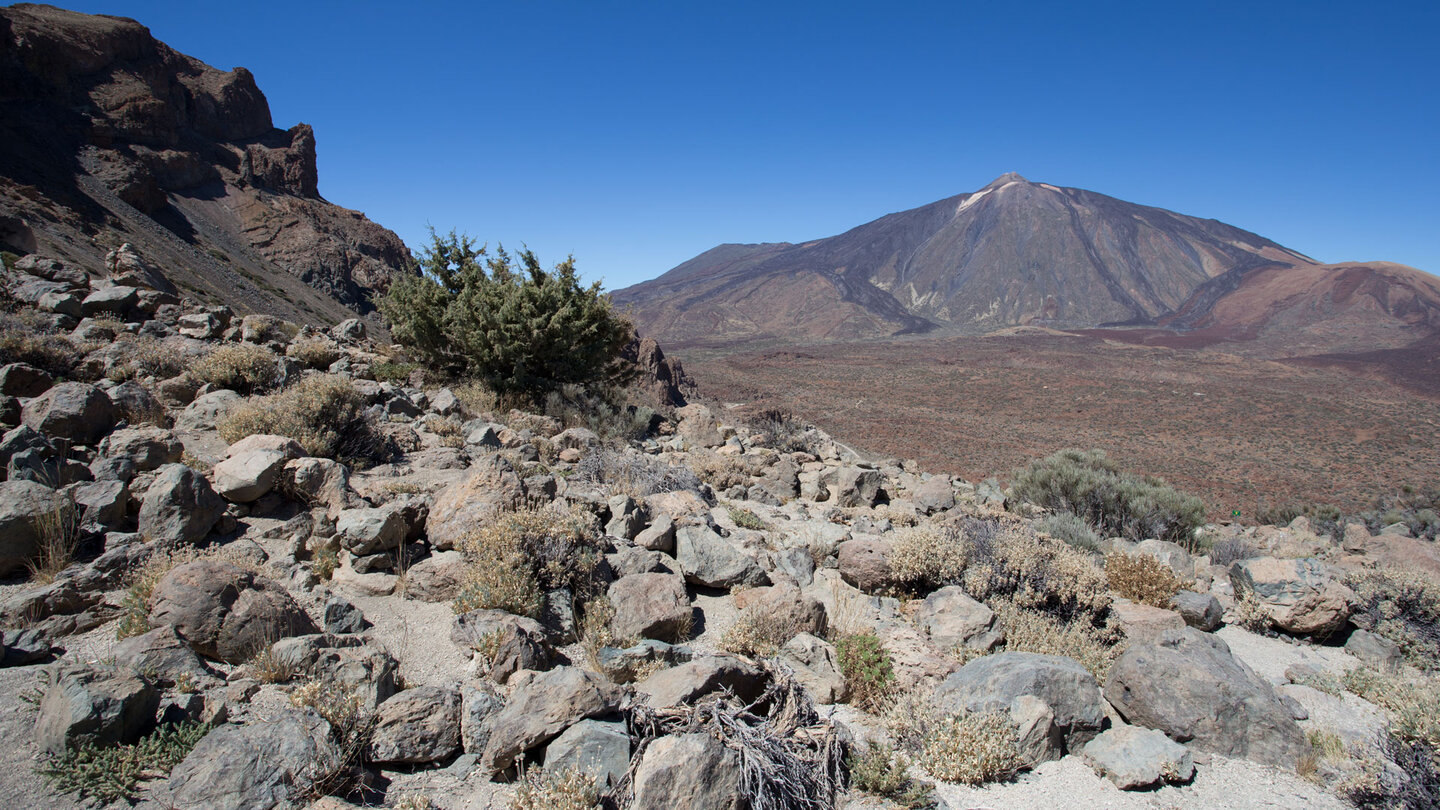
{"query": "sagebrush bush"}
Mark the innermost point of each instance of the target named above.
(601, 409)
(1006, 558)
(759, 633)
(1230, 550)
(972, 748)
(519, 555)
(24, 339)
(633, 474)
(1413, 703)
(519, 328)
(721, 471)
(867, 668)
(878, 769)
(1143, 578)
(1095, 645)
(351, 724)
(746, 519)
(927, 557)
(240, 367)
(1402, 606)
(59, 533)
(113, 773)
(1073, 530)
(314, 352)
(783, 431)
(1115, 503)
(323, 413)
(146, 356)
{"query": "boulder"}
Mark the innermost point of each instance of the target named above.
(952, 619)
(787, 605)
(25, 507)
(993, 682)
(683, 685)
(21, 647)
(98, 706)
(658, 536)
(627, 664)
(1300, 596)
(650, 606)
(855, 486)
(698, 426)
(1377, 651)
(371, 530)
(23, 380)
(694, 771)
(136, 405)
(478, 709)
(1188, 685)
(1199, 610)
(161, 655)
(74, 411)
(417, 726)
(225, 612)
(341, 616)
(1139, 758)
(351, 662)
(252, 466)
(542, 707)
(600, 749)
(148, 448)
(511, 642)
(109, 301)
(865, 562)
(321, 482)
(935, 495)
(1175, 557)
(816, 665)
(712, 561)
(435, 578)
(1140, 621)
(465, 504)
(269, 764)
(179, 508)
(207, 410)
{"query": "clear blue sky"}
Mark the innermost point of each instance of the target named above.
(638, 134)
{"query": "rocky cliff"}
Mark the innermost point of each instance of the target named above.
(112, 136)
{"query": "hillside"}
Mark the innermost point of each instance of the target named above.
(112, 137)
(1014, 252)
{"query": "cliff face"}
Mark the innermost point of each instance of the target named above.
(112, 136)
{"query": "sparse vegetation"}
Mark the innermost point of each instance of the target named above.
(746, 519)
(1225, 552)
(1113, 502)
(539, 789)
(972, 748)
(867, 668)
(135, 606)
(1072, 529)
(1403, 607)
(314, 352)
(1095, 645)
(634, 474)
(1142, 578)
(878, 769)
(323, 413)
(59, 537)
(602, 409)
(517, 557)
(392, 371)
(240, 367)
(350, 727)
(107, 774)
(507, 321)
(24, 339)
(758, 633)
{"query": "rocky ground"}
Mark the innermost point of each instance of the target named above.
(352, 591)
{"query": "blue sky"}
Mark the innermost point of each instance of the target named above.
(638, 134)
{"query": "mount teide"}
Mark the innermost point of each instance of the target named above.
(1015, 252)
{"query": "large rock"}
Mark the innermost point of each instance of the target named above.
(147, 447)
(370, 531)
(935, 495)
(84, 705)
(650, 606)
(710, 560)
(77, 412)
(179, 508)
(252, 465)
(1188, 685)
(1137, 758)
(1300, 596)
(993, 682)
(269, 764)
(542, 707)
(416, 726)
(511, 642)
(352, 663)
(953, 619)
(694, 771)
(816, 665)
(23, 380)
(600, 749)
(855, 486)
(207, 410)
(683, 685)
(865, 562)
(321, 482)
(225, 612)
(25, 507)
(435, 578)
(161, 655)
(466, 504)
(787, 605)
(1199, 610)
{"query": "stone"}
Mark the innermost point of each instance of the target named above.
(179, 508)
(343, 617)
(710, 560)
(74, 411)
(321, 481)
(1199, 610)
(599, 749)
(952, 619)
(24, 507)
(992, 682)
(149, 447)
(1140, 621)
(935, 495)
(353, 663)
(200, 325)
(865, 563)
(1375, 650)
(513, 643)
(136, 405)
(1300, 595)
(21, 647)
(252, 466)
(23, 380)
(462, 506)
(625, 665)
(417, 726)
(269, 764)
(683, 685)
(658, 536)
(1187, 684)
(576, 438)
(96, 706)
(816, 666)
(370, 530)
(162, 655)
(1037, 737)
(225, 612)
(1139, 758)
(435, 578)
(626, 518)
(207, 410)
(478, 709)
(109, 300)
(787, 605)
(1175, 557)
(650, 606)
(350, 329)
(694, 771)
(542, 707)
(855, 486)
(698, 426)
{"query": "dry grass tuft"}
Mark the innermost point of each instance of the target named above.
(972, 749)
(539, 789)
(59, 537)
(758, 633)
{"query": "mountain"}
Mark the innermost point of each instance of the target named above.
(110, 136)
(1012, 253)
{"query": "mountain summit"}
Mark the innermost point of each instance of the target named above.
(1014, 252)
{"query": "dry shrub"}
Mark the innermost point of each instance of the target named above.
(59, 537)
(476, 398)
(633, 474)
(927, 557)
(146, 356)
(880, 770)
(315, 352)
(1142, 578)
(1096, 647)
(746, 519)
(1004, 557)
(867, 668)
(721, 471)
(240, 367)
(1403, 606)
(1233, 549)
(1250, 614)
(1413, 703)
(972, 748)
(450, 430)
(518, 556)
(758, 633)
(25, 338)
(569, 789)
(323, 413)
(351, 723)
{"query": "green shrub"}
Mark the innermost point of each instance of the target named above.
(746, 519)
(240, 367)
(1072, 529)
(323, 413)
(113, 773)
(519, 328)
(878, 769)
(867, 669)
(1090, 486)
(393, 372)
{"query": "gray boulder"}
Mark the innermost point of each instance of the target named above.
(687, 683)
(25, 506)
(650, 606)
(513, 643)
(710, 560)
(225, 612)
(110, 301)
(1375, 650)
(543, 706)
(1300, 596)
(350, 662)
(269, 764)
(993, 682)
(23, 380)
(206, 411)
(1188, 685)
(478, 710)
(694, 771)
(816, 665)
(1138, 758)
(600, 749)
(370, 530)
(435, 578)
(865, 562)
(85, 705)
(952, 619)
(21, 647)
(855, 486)
(161, 654)
(77, 412)
(1199, 610)
(179, 508)
(148, 448)
(252, 466)
(416, 726)
(935, 495)
(623, 665)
